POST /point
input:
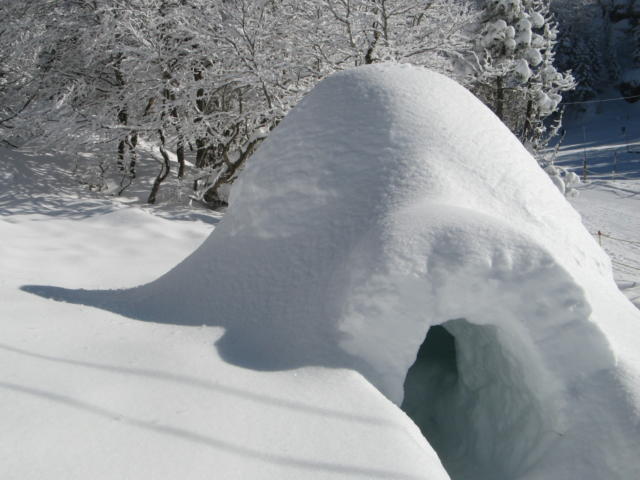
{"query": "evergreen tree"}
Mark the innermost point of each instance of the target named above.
(581, 46)
(611, 52)
(585, 72)
(516, 75)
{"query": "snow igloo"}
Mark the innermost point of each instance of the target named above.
(393, 225)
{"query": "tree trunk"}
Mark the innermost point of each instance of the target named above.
(121, 151)
(500, 98)
(202, 154)
(164, 171)
(368, 58)
(202, 148)
(527, 128)
(211, 196)
(133, 143)
(180, 156)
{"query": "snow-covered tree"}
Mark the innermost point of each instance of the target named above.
(611, 52)
(516, 75)
(348, 33)
(581, 45)
(205, 79)
(24, 27)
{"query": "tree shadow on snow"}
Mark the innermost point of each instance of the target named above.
(207, 386)
(34, 184)
(287, 461)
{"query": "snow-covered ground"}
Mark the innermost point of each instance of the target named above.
(89, 391)
(613, 208)
(85, 393)
(607, 134)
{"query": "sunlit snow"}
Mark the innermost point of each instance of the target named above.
(390, 201)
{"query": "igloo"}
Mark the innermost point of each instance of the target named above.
(393, 225)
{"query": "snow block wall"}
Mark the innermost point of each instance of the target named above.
(390, 201)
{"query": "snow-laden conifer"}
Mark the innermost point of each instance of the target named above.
(517, 76)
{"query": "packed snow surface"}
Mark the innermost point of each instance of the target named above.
(88, 394)
(607, 135)
(390, 201)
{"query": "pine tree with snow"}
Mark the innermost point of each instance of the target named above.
(611, 52)
(516, 75)
(581, 45)
(584, 71)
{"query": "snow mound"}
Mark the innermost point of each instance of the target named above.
(391, 201)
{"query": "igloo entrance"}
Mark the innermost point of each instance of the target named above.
(468, 393)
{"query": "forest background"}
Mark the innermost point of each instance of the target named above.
(176, 95)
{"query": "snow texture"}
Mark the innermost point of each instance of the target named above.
(389, 201)
(537, 20)
(533, 56)
(89, 394)
(522, 70)
(524, 33)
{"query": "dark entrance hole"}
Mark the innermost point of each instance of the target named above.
(469, 393)
(430, 387)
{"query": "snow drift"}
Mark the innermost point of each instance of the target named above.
(391, 201)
